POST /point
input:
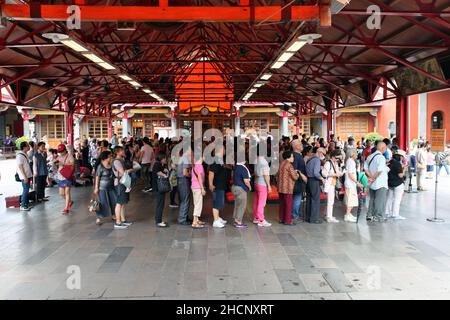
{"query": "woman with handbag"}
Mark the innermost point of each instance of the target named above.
(332, 173)
(66, 170)
(351, 185)
(104, 189)
(162, 186)
(122, 184)
(421, 166)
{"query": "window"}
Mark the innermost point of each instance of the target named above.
(437, 120)
(98, 128)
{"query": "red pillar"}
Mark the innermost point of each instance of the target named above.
(69, 127)
(402, 122)
(329, 123)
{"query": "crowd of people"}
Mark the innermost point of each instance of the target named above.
(311, 170)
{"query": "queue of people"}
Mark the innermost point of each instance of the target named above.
(307, 171)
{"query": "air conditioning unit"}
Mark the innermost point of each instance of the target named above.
(338, 5)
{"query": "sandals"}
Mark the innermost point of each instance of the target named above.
(198, 225)
(201, 222)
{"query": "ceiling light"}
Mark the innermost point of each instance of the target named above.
(296, 46)
(107, 66)
(93, 57)
(147, 91)
(277, 65)
(285, 56)
(259, 84)
(74, 45)
(310, 37)
(55, 37)
(266, 76)
(135, 84)
(253, 90)
(125, 77)
(155, 96)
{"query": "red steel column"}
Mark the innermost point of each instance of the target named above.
(69, 127)
(329, 123)
(402, 122)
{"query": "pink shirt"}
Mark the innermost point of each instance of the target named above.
(197, 171)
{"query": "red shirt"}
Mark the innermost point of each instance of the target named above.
(367, 152)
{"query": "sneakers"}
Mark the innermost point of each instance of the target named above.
(264, 224)
(127, 223)
(173, 205)
(240, 225)
(120, 226)
(333, 220)
(255, 221)
(349, 218)
(223, 221)
(147, 190)
(399, 218)
(162, 225)
(24, 208)
(218, 224)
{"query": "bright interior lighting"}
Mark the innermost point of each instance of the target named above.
(125, 77)
(277, 65)
(74, 45)
(147, 91)
(285, 56)
(107, 66)
(296, 46)
(155, 96)
(266, 76)
(253, 90)
(259, 84)
(93, 57)
(135, 84)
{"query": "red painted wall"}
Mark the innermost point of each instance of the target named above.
(413, 117)
(439, 101)
(386, 113)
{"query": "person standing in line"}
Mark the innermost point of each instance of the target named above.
(160, 171)
(300, 184)
(104, 189)
(40, 171)
(148, 157)
(66, 170)
(241, 186)
(331, 171)
(443, 160)
(184, 174)
(114, 141)
(313, 171)
(25, 174)
(198, 191)
(430, 163)
(217, 185)
(351, 185)
(377, 171)
(421, 166)
(262, 189)
(123, 193)
(286, 181)
(173, 184)
(395, 182)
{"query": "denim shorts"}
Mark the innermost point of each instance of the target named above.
(65, 183)
(123, 197)
(218, 199)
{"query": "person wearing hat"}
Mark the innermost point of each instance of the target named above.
(395, 183)
(66, 168)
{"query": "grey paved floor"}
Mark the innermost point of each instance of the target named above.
(395, 260)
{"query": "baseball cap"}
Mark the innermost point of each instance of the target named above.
(61, 148)
(401, 153)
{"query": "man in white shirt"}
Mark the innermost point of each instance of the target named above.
(377, 170)
(25, 174)
(147, 160)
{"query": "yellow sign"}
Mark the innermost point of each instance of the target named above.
(438, 140)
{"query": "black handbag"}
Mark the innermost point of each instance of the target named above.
(163, 184)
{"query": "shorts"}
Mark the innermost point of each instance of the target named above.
(430, 167)
(65, 183)
(123, 197)
(351, 197)
(218, 199)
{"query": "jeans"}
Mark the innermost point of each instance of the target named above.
(447, 168)
(285, 208)
(314, 199)
(259, 202)
(184, 189)
(160, 199)
(296, 205)
(40, 187)
(394, 199)
(25, 194)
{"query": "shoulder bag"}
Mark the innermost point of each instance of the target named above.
(67, 170)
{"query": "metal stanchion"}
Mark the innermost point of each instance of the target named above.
(435, 218)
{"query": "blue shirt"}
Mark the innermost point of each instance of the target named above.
(40, 164)
(240, 174)
(313, 168)
(378, 164)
